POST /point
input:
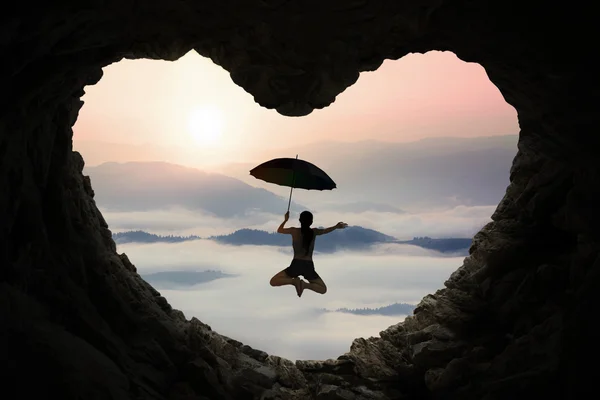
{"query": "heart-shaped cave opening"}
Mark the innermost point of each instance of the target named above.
(512, 321)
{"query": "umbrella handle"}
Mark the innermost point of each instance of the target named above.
(290, 200)
(293, 183)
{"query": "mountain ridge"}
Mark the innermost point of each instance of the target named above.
(391, 309)
(430, 172)
(427, 173)
(353, 237)
(144, 186)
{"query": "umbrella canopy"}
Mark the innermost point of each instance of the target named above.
(293, 173)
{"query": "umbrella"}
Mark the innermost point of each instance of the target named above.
(293, 173)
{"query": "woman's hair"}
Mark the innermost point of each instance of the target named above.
(306, 220)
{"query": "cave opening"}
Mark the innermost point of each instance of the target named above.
(514, 321)
(159, 137)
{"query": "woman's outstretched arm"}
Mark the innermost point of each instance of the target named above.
(281, 228)
(339, 225)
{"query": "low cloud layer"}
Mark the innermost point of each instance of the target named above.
(247, 308)
(460, 221)
(179, 221)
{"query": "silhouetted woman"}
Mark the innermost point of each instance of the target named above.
(303, 241)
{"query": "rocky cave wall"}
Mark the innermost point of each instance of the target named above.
(514, 321)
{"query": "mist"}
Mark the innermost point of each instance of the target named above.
(245, 307)
(460, 221)
(274, 319)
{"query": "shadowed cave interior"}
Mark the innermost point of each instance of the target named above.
(516, 320)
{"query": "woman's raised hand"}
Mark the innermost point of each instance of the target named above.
(341, 225)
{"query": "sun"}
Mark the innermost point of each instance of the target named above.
(205, 125)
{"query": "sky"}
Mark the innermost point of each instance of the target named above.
(193, 109)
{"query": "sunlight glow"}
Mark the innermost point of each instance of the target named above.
(205, 125)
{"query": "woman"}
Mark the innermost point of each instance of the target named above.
(303, 242)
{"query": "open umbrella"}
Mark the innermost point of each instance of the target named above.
(293, 173)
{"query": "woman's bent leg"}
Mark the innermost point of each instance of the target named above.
(316, 285)
(281, 278)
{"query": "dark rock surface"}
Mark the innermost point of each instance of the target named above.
(516, 320)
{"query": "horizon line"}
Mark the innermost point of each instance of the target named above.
(319, 141)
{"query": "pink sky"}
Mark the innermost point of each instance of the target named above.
(153, 102)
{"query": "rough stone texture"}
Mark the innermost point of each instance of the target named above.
(516, 320)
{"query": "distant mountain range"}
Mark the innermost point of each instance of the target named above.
(370, 176)
(353, 237)
(422, 174)
(144, 186)
(392, 309)
(145, 237)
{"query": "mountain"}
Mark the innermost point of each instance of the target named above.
(353, 237)
(253, 237)
(427, 173)
(371, 176)
(179, 279)
(392, 309)
(145, 237)
(143, 186)
(97, 152)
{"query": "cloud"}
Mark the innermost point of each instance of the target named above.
(460, 221)
(247, 308)
(182, 221)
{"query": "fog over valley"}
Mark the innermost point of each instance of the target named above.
(243, 304)
(459, 221)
